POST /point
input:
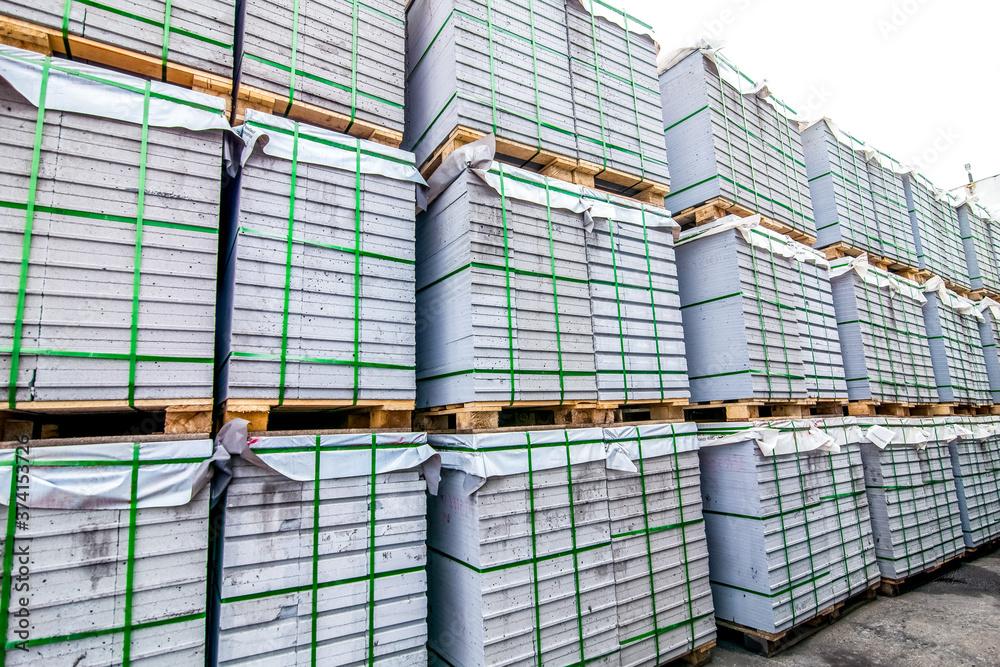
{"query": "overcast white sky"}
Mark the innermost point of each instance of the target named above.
(919, 79)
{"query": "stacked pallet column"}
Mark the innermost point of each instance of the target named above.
(953, 334)
(936, 231)
(975, 459)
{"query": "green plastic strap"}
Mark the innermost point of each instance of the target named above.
(684, 542)
(600, 95)
(140, 208)
(652, 305)
(555, 294)
(357, 268)
(354, 67)
(314, 598)
(534, 71)
(130, 562)
(8, 553)
(166, 38)
(506, 266)
(29, 222)
(493, 80)
(534, 551)
(805, 514)
(288, 259)
(618, 305)
(576, 555)
(67, 7)
(295, 55)
(372, 507)
(649, 543)
(635, 99)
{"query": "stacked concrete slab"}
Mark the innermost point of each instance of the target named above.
(518, 301)
(323, 305)
(989, 336)
(727, 137)
(911, 491)
(960, 370)
(568, 546)
(787, 520)
(324, 553)
(109, 233)
(758, 315)
(197, 34)
(975, 460)
(616, 95)
(336, 55)
(883, 334)
(858, 198)
(980, 235)
(548, 75)
(116, 568)
(936, 232)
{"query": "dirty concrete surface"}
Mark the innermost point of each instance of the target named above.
(952, 621)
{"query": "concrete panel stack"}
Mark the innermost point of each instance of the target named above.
(727, 137)
(565, 86)
(936, 232)
(975, 461)
(758, 315)
(858, 197)
(989, 336)
(911, 491)
(324, 552)
(520, 302)
(616, 94)
(960, 370)
(105, 545)
(109, 234)
(194, 33)
(338, 57)
(882, 334)
(980, 235)
(323, 304)
(787, 520)
(569, 546)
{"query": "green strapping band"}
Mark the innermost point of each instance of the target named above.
(600, 103)
(649, 543)
(576, 555)
(357, 264)
(555, 293)
(354, 66)
(371, 558)
(166, 38)
(534, 550)
(140, 208)
(314, 598)
(295, 56)
(618, 305)
(288, 258)
(684, 545)
(29, 222)
(130, 563)
(506, 264)
(652, 305)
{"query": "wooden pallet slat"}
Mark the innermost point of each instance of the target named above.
(720, 207)
(548, 163)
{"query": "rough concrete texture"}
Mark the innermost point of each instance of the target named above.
(953, 620)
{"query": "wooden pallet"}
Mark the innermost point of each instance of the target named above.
(972, 553)
(699, 656)
(880, 409)
(265, 415)
(749, 410)
(498, 416)
(257, 99)
(840, 250)
(895, 587)
(769, 644)
(53, 419)
(49, 41)
(720, 207)
(950, 410)
(557, 166)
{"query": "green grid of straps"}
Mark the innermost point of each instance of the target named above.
(294, 72)
(646, 531)
(982, 472)
(937, 488)
(291, 240)
(31, 208)
(986, 259)
(902, 378)
(753, 189)
(937, 222)
(837, 495)
(165, 24)
(825, 322)
(128, 627)
(508, 271)
(964, 354)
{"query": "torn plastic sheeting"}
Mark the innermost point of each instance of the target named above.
(540, 190)
(878, 278)
(80, 88)
(773, 441)
(865, 151)
(656, 440)
(990, 305)
(340, 455)
(756, 234)
(276, 136)
(844, 430)
(99, 476)
(617, 16)
(957, 303)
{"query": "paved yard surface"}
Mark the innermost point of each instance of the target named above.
(953, 621)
